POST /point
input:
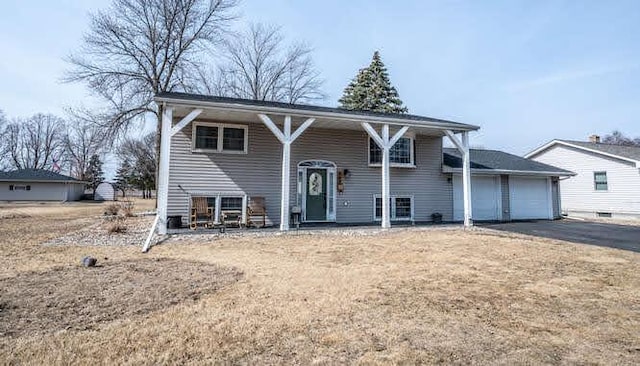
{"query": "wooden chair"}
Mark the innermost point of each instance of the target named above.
(201, 213)
(257, 208)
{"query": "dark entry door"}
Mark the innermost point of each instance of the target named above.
(316, 209)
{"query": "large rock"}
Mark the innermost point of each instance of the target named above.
(89, 261)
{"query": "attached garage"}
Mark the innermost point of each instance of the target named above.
(504, 186)
(530, 198)
(485, 193)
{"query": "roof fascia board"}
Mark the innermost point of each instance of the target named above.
(554, 142)
(43, 181)
(448, 169)
(308, 113)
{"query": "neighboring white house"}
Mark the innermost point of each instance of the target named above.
(105, 192)
(39, 185)
(607, 180)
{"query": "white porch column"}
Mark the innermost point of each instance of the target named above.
(385, 143)
(286, 138)
(163, 169)
(286, 175)
(463, 148)
(466, 180)
(386, 210)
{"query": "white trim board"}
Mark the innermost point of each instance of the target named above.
(559, 142)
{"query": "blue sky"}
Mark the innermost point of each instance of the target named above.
(525, 71)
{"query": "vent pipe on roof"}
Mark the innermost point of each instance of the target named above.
(595, 139)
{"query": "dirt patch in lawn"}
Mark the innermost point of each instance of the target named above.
(79, 298)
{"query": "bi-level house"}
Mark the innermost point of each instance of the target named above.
(326, 164)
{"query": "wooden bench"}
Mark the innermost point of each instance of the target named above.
(201, 213)
(256, 208)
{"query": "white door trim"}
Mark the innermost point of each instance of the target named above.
(332, 186)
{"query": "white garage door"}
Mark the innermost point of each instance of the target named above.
(485, 193)
(530, 198)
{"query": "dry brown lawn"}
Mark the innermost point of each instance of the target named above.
(405, 297)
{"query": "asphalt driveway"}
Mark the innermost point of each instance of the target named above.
(626, 237)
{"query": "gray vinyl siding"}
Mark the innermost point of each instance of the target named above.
(41, 191)
(506, 203)
(258, 173)
(578, 195)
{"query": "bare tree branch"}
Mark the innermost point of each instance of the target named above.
(259, 66)
(35, 143)
(138, 48)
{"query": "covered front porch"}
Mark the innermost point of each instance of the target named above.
(311, 181)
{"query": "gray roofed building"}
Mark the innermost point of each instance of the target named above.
(39, 185)
(35, 175)
(631, 152)
(498, 161)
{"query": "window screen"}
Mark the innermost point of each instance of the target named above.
(206, 137)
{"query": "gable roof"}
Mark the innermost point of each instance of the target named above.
(311, 110)
(627, 153)
(35, 175)
(499, 162)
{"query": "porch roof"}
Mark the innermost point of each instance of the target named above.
(234, 109)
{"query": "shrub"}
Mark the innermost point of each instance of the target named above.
(117, 227)
(126, 208)
(112, 209)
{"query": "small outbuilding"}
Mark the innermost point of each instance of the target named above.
(39, 185)
(105, 191)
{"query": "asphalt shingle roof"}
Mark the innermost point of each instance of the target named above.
(34, 175)
(629, 152)
(497, 160)
(305, 107)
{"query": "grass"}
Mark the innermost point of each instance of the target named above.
(408, 296)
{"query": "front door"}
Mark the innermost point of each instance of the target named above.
(316, 195)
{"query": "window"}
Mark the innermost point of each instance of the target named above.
(19, 188)
(603, 214)
(401, 207)
(231, 203)
(221, 138)
(401, 154)
(600, 181)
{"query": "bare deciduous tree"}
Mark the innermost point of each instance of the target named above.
(260, 66)
(81, 142)
(618, 138)
(139, 155)
(4, 156)
(138, 48)
(35, 142)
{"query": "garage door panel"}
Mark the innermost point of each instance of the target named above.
(485, 194)
(529, 198)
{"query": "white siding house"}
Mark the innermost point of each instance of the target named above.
(39, 185)
(607, 180)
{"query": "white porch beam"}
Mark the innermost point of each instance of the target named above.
(286, 138)
(373, 134)
(455, 141)
(163, 171)
(301, 129)
(272, 126)
(466, 180)
(398, 135)
(185, 121)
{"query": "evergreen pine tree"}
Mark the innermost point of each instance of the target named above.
(123, 177)
(371, 90)
(94, 174)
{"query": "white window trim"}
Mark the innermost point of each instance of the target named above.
(595, 184)
(393, 207)
(220, 127)
(412, 164)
